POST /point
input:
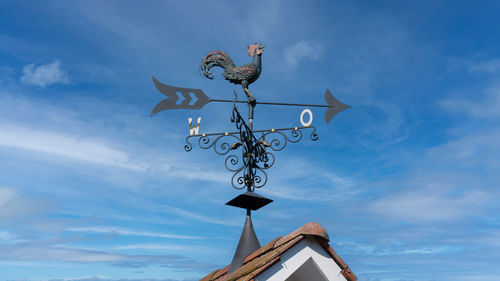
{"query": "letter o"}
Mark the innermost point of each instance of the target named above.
(309, 112)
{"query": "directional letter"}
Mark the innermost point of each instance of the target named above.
(194, 129)
(309, 112)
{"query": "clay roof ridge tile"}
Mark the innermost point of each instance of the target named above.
(220, 272)
(262, 251)
(210, 276)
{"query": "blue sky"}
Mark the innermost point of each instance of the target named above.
(406, 181)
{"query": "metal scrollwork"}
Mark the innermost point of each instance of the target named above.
(248, 166)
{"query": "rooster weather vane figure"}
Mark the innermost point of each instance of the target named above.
(249, 151)
(239, 75)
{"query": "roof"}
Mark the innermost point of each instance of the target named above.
(266, 256)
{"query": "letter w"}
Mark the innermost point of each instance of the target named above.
(194, 129)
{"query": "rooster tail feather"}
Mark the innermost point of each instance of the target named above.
(215, 58)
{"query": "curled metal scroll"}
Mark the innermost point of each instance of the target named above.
(249, 165)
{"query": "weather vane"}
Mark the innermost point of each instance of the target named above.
(249, 150)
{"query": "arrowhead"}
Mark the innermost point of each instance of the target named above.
(335, 106)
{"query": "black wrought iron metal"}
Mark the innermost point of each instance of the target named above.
(201, 99)
(249, 165)
(171, 93)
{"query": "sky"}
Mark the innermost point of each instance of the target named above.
(405, 182)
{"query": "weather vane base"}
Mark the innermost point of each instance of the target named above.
(250, 201)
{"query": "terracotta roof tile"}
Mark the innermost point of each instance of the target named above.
(265, 260)
(269, 254)
(221, 272)
(266, 248)
(210, 276)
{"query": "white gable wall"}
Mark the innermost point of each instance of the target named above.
(308, 257)
(308, 271)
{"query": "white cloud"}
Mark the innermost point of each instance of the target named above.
(427, 204)
(322, 185)
(7, 236)
(476, 149)
(14, 206)
(485, 107)
(96, 151)
(490, 238)
(6, 195)
(198, 217)
(394, 249)
(475, 65)
(299, 51)
(490, 66)
(163, 247)
(58, 254)
(66, 146)
(30, 252)
(329, 193)
(44, 75)
(102, 278)
(123, 231)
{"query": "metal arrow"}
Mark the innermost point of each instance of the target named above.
(171, 101)
(334, 105)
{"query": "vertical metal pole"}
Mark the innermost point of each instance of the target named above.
(251, 106)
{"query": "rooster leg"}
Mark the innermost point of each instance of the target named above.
(249, 95)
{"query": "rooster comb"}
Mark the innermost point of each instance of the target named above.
(251, 49)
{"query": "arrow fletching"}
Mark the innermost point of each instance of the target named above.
(334, 106)
(172, 94)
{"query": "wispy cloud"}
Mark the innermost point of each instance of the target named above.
(475, 65)
(482, 106)
(91, 151)
(395, 249)
(100, 278)
(167, 247)
(490, 239)
(44, 75)
(198, 217)
(488, 66)
(479, 149)
(15, 206)
(427, 204)
(7, 236)
(322, 185)
(300, 51)
(50, 253)
(129, 232)
(31, 252)
(64, 145)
